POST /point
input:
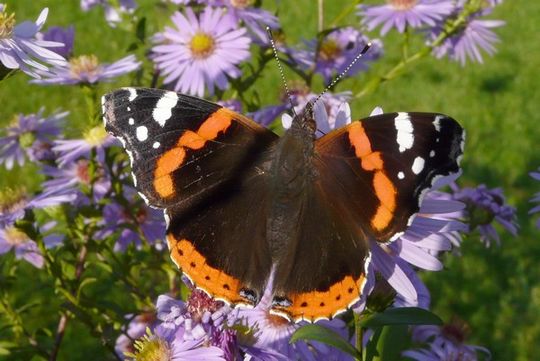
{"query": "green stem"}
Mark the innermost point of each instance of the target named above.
(90, 97)
(346, 11)
(359, 335)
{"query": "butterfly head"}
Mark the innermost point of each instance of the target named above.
(305, 121)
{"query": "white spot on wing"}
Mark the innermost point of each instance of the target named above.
(432, 154)
(132, 94)
(405, 137)
(142, 133)
(437, 122)
(156, 145)
(401, 175)
(131, 121)
(418, 165)
(163, 110)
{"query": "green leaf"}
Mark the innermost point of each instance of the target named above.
(140, 31)
(326, 336)
(392, 342)
(401, 316)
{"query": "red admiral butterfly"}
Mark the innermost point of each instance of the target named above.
(241, 201)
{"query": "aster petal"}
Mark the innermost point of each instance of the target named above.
(395, 276)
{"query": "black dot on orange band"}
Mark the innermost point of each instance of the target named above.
(180, 252)
(322, 304)
(350, 290)
(304, 304)
(192, 264)
(207, 278)
(226, 286)
(338, 297)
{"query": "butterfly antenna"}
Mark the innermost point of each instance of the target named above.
(342, 74)
(281, 73)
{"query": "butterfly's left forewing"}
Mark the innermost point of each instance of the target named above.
(206, 166)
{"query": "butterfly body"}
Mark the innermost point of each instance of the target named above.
(243, 203)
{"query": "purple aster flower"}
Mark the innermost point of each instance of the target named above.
(336, 52)
(133, 224)
(445, 343)
(113, 14)
(23, 134)
(232, 104)
(19, 47)
(485, 206)
(95, 138)
(403, 13)
(60, 35)
(153, 347)
(474, 36)
(265, 116)
(201, 51)
(14, 203)
(75, 175)
(24, 247)
(536, 198)
(86, 69)
(255, 19)
(136, 328)
(196, 319)
(12, 238)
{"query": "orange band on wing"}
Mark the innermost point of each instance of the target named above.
(315, 305)
(213, 281)
(372, 161)
(171, 160)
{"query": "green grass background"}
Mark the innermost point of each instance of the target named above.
(496, 290)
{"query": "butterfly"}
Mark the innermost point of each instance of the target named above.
(242, 203)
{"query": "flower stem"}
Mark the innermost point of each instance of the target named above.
(359, 335)
(62, 323)
(320, 10)
(90, 97)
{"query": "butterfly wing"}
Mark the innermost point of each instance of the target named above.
(369, 181)
(180, 146)
(204, 164)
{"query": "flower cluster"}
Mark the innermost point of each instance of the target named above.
(485, 206)
(472, 35)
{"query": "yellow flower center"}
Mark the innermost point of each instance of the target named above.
(84, 64)
(242, 4)
(95, 136)
(15, 237)
(12, 199)
(202, 45)
(402, 4)
(329, 50)
(150, 348)
(7, 22)
(26, 139)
